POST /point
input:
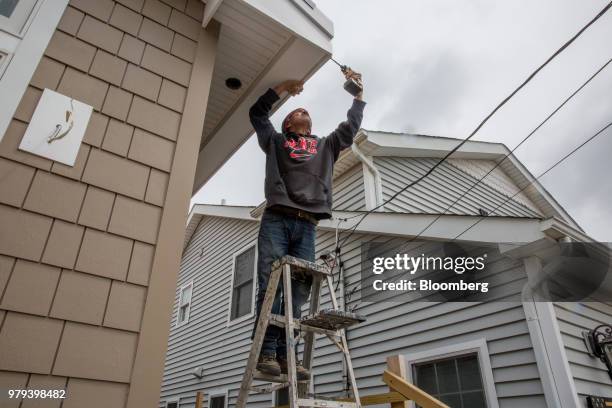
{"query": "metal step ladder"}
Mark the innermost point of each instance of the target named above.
(330, 322)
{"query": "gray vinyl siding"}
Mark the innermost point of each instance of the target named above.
(440, 189)
(392, 327)
(349, 190)
(402, 328)
(590, 374)
(207, 340)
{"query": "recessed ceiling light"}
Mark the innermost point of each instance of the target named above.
(233, 83)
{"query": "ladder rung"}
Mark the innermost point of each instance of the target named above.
(279, 320)
(332, 319)
(325, 403)
(301, 265)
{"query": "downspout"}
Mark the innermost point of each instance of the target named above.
(374, 173)
(374, 181)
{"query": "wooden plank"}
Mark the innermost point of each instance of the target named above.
(376, 399)
(397, 365)
(198, 403)
(411, 391)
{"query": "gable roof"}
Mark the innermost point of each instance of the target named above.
(388, 144)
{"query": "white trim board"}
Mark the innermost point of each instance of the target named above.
(25, 60)
(479, 346)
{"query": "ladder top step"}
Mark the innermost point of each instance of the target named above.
(332, 319)
(301, 265)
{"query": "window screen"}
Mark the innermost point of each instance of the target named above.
(282, 397)
(456, 381)
(7, 7)
(242, 290)
(218, 401)
(172, 404)
(185, 303)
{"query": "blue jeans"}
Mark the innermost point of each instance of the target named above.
(280, 235)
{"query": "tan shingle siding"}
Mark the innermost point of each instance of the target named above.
(81, 297)
(156, 34)
(126, 20)
(125, 306)
(131, 49)
(47, 74)
(135, 219)
(158, 11)
(55, 196)
(140, 264)
(23, 234)
(99, 34)
(112, 172)
(111, 361)
(97, 208)
(101, 9)
(108, 67)
(83, 87)
(104, 254)
(71, 20)
(63, 244)
(30, 288)
(166, 65)
(71, 51)
(154, 118)
(15, 182)
(74, 172)
(28, 343)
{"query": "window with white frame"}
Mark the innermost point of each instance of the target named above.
(241, 299)
(456, 381)
(218, 400)
(172, 404)
(458, 374)
(184, 305)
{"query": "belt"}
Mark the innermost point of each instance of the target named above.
(296, 213)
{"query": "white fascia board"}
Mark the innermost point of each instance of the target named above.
(540, 190)
(314, 28)
(411, 145)
(491, 230)
(299, 59)
(227, 211)
(27, 56)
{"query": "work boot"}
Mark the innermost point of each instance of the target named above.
(267, 364)
(301, 372)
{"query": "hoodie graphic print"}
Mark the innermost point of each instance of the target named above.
(301, 148)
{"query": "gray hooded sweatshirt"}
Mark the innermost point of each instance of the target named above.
(299, 168)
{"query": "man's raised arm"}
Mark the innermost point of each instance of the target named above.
(342, 137)
(260, 111)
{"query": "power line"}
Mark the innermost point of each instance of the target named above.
(499, 163)
(480, 125)
(538, 177)
(535, 179)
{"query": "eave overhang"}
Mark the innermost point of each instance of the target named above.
(262, 43)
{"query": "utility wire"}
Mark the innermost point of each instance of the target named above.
(480, 125)
(499, 163)
(535, 179)
(561, 160)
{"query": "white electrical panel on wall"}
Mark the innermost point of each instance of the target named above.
(57, 127)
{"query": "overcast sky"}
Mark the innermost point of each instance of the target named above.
(439, 67)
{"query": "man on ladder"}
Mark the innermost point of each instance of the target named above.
(298, 191)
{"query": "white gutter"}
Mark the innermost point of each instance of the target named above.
(373, 186)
